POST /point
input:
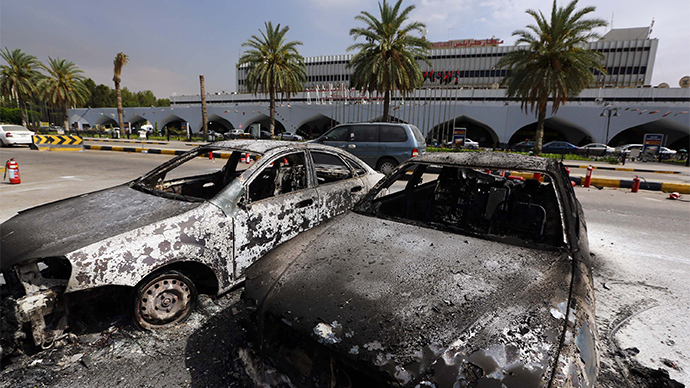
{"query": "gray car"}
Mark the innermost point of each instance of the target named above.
(191, 225)
(380, 145)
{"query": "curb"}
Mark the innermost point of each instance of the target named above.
(622, 169)
(159, 151)
(126, 141)
(682, 188)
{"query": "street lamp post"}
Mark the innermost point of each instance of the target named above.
(607, 112)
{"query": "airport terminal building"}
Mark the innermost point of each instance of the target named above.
(629, 60)
(461, 89)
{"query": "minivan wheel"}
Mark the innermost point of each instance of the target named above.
(386, 166)
(167, 298)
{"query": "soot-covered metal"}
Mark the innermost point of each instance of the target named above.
(454, 272)
(190, 225)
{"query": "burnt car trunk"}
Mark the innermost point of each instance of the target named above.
(397, 309)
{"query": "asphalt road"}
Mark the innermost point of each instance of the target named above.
(641, 267)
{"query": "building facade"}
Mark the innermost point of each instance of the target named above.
(629, 60)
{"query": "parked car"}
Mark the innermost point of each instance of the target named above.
(667, 151)
(524, 146)
(559, 147)
(444, 275)
(634, 151)
(172, 233)
(15, 134)
(597, 149)
(380, 145)
(291, 136)
(235, 133)
(471, 144)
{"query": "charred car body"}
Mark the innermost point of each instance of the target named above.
(190, 224)
(446, 274)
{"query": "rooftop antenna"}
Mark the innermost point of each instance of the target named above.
(650, 29)
(611, 21)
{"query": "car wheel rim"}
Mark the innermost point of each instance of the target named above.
(165, 300)
(387, 167)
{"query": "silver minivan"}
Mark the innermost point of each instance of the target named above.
(381, 145)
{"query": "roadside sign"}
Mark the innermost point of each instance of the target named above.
(652, 143)
(459, 137)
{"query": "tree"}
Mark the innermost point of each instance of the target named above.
(388, 58)
(120, 60)
(274, 65)
(163, 102)
(63, 87)
(18, 77)
(556, 62)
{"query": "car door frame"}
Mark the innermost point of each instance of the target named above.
(337, 197)
(251, 222)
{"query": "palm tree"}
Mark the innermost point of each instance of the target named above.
(63, 86)
(121, 59)
(388, 58)
(273, 65)
(18, 78)
(556, 62)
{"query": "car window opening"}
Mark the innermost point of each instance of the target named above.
(474, 202)
(330, 168)
(285, 174)
(195, 177)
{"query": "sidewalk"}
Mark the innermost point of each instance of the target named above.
(652, 167)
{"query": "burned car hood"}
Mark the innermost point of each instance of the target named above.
(56, 228)
(418, 303)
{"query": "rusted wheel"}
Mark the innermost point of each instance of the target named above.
(165, 300)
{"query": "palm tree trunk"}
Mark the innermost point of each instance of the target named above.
(386, 106)
(204, 117)
(120, 119)
(272, 121)
(539, 136)
(22, 110)
(66, 120)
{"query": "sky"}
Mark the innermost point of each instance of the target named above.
(170, 43)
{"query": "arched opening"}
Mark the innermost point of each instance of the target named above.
(173, 125)
(676, 135)
(476, 130)
(265, 123)
(136, 121)
(555, 128)
(316, 126)
(217, 123)
(106, 122)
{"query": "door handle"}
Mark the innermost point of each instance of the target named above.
(356, 189)
(352, 146)
(305, 203)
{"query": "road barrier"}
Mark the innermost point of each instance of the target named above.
(57, 143)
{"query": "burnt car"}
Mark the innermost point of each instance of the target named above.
(458, 270)
(190, 225)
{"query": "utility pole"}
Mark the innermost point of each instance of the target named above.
(204, 118)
